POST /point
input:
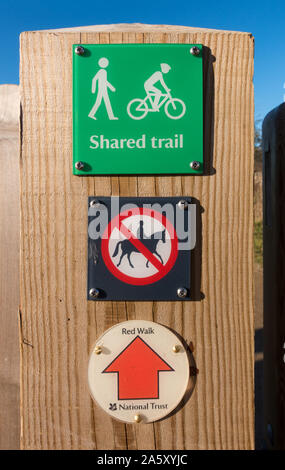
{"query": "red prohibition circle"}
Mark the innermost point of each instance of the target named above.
(116, 223)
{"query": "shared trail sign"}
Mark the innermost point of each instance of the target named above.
(137, 108)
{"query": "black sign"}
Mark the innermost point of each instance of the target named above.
(139, 248)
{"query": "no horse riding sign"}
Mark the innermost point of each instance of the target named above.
(139, 248)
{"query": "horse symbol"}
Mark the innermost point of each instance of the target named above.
(150, 243)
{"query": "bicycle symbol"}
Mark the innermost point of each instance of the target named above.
(174, 108)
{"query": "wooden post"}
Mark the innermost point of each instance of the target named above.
(60, 325)
(9, 268)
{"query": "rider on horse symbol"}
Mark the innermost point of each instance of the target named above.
(150, 243)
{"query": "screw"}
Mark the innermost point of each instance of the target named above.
(94, 203)
(98, 350)
(79, 50)
(195, 165)
(181, 292)
(182, 204)
(137, 418)
(94, 292)
(195, 50)
(79, 165)
(176, 348)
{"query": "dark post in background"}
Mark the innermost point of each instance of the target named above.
(274, 276)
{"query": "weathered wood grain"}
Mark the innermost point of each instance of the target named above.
(61, 326)
(9, 268)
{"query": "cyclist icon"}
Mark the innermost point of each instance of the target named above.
(153, 80)
(174, 108)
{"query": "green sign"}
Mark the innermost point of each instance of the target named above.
(137, 109)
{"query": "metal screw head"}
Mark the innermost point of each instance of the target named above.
(183, 204)
(181, 292)
(94, 292)
(195, 165)
(98, 350)
(176, 348)
(79, 165)
(195, 50)
(137, 418)
(94, 203)
(79, 50)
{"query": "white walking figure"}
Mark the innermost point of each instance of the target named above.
(155, 78)
(102, 93)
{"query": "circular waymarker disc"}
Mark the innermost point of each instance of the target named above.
(139, 246)
(138, 371)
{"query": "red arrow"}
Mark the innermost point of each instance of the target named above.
(138, 367)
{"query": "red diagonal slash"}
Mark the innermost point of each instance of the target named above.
(162, 269)
(141, 247)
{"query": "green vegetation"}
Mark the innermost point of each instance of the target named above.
(257, 146)
(258, 229)
(258, 242)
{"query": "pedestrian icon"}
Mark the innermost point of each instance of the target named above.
(101, 83)
(174, 107)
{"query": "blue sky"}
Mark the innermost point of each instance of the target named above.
(264, 19)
